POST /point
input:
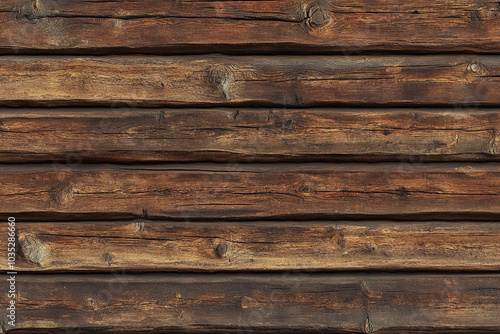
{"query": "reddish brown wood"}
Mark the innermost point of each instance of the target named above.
(256, 246)
(461, 81)
(275, 191)
(311, 26)
(276, 303)
(166, 135)
(77, 218)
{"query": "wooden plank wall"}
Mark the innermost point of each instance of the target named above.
(250, 166)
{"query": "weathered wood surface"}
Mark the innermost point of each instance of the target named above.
(278, 302)
(251, 191)
(460, 81)
(257, 246)
(342, 26)
(169, 135)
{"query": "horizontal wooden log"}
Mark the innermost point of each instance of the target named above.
(459, 81)
(262, 246)
(251, 191)
(296, 26)
(126, 135)
(243, 303)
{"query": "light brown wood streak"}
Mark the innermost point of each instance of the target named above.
(277, 303)
(213, 80)
(251, 191)
(312, 26)
(169, 135)
(256, 246)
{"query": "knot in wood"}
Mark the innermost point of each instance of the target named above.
(108, 258)
(64, 194)
(368, 326)
(220, 78)
(475, 15)
(28, 12)
(32, 10)
(33, 249)
(484, 13)
(318, 13)
(221, 249)
(289, 124)
(306, 189)
(403, 193)
(92, 304)
(139, 226)
(475, 68)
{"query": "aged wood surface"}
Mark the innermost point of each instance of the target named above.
(248, 135)
(251, 191)
(258, 246)
(279, 302)
(464, 82)
(369, 218)
(309, 26)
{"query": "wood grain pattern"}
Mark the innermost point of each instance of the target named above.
(244, 303)
(309, 26)
(256, 246)
(459, 81)
(223, 211)
(251, 191)
(258, 135)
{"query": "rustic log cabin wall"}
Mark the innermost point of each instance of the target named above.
(250, 166)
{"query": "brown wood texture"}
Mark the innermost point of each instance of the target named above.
(243, 303)
(309, 26)
(251, 191)
(247, 135)
(291, 166)
(215, 80)
(256, 246)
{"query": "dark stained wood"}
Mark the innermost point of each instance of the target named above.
(190, 229)
(311, 26)
(279, 302)
(166, 135)
(251, 191)
(464, 82)
(262, 246)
